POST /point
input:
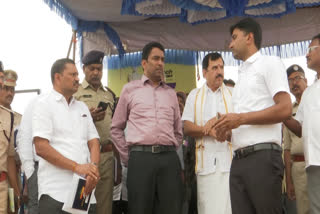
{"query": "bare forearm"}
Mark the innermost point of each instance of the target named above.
(12, 174)
(192, 129)
(287, 163)
(94, 148)
(274, 114)
(294, 126)
(51, 155)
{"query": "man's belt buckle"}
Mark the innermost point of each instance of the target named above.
(156, 149)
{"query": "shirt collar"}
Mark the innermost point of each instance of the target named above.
(209, 90)
(85, 85)
(60, 97)
(253, 58)
(250, 60)
(145, 79)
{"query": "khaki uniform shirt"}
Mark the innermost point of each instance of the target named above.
(91, 98)
(17, 120)
(6, 148)
(290, 140)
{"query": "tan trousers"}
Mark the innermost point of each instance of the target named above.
(299, 178)
(3, 197)
(104, 189)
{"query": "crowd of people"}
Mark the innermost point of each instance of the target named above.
(223, 149)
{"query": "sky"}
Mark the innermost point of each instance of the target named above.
(32, 37)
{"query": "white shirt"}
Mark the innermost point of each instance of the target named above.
(26, 150)
(260, 79)
(308, 115)
(68, 128)
(215, 153)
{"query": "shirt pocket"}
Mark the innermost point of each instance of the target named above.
(89, 100)
(254, 81)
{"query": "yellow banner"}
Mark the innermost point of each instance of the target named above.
(181, 77)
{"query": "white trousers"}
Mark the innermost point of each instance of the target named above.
(213, 193)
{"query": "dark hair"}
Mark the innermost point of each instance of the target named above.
(316, 37)
(229, 81)
(148, 47)
(213, 57)
(249, 25)
(183, 96)
(59, 66)
(1, 67)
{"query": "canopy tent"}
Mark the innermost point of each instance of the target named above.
(118, 27)
(186, 28)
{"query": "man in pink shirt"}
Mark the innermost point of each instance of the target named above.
(149, 109)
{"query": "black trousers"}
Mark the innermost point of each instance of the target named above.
(48, 205)
(154, 183)
(120, 207)
(255, 183)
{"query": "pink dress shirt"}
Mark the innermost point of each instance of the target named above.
(151, 115)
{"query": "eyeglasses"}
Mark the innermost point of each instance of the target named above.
(296, 78)
(312, 48)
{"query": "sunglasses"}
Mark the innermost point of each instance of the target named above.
(312, 48)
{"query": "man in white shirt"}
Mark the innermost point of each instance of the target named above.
(261, 101)
(65, 138)
(306, 124)
(28, 157)
(213, 158)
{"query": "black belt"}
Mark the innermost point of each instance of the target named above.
(152, 148)
(244, 152)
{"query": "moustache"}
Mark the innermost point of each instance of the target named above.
(96, 79)
(219, 75)
(295, 87)
(76, 83)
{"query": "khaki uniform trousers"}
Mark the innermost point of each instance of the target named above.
(299, 178)
(104, 188)
(3, 197)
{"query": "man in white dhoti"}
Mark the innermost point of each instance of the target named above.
(213, 158)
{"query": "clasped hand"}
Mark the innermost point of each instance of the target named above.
(210, 130)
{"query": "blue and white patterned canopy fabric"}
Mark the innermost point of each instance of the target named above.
(199, 11)
(119, 27)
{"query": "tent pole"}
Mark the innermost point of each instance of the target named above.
(74, 44)
(70, 45)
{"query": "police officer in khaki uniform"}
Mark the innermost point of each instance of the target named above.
(7, 95)
(6, 98)
(296, 178)
(7, 161)
(92, 92)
